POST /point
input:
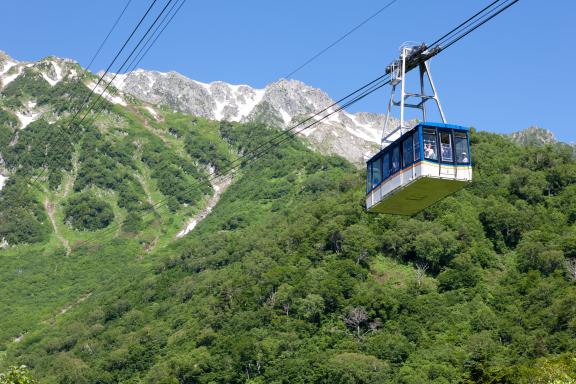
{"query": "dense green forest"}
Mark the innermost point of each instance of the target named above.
(288, 280)
(73, 186)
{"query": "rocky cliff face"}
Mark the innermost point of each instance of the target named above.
(283, 103)
(533, 136)
(539, 136)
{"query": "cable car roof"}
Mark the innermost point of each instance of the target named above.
(442, 125)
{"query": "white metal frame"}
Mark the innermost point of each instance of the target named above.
(398, 70)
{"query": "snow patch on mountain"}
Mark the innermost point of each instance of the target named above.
(6, 63)
(3, 180)
(364, 130)
(28, 114)
(49, 80)
(6, 66)
(220, 185)
(11, 75)
(285, 116)
(152, 112)
(26, 119)
(53, 72)
(59, 72)
(101, 91)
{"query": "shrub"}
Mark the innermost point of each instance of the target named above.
(86, 212)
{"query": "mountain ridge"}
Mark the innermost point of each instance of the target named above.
(282, 103)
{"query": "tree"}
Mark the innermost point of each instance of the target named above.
(357, 368)
(17, 375)
(358, 243)
(538, 251)
(311, 307)
(461, 273)
(421, 269)
(355, 318)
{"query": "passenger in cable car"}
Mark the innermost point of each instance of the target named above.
(461, 147)
(429, 152)
(430, 144)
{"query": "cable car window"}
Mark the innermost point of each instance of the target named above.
(395, 166)
(407, 151)
(461, 147)
(416, 146)
(386, 166)
(376, 172)
(446, 146)
(368, 177)
(430, 148)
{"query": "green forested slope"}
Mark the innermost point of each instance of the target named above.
(288, 281)
(91, 213)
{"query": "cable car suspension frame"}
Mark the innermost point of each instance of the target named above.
(411, 56)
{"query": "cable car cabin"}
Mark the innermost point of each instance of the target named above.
(426, 164)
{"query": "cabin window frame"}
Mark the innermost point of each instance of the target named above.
(427, 130)
(408, 139)
(416, 146)
(393, 150)
(451, 148)
(466, 140)
(369, 176)
(376, 165)
(385, 166)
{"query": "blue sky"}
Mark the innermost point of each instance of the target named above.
(512, 73)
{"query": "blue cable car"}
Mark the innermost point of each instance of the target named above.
(426, 164)
(416, 166)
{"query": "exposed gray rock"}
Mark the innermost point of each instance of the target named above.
(283, 103)
(539, 136)
(533, 136)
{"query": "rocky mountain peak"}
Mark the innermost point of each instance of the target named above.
(282, 103)
(52, 69)
(533, 136)
(294, 98)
